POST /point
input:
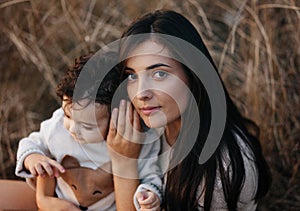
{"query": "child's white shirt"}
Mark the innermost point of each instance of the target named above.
(54, 141)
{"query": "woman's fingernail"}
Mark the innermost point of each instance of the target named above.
(115, 111)
(123, 102)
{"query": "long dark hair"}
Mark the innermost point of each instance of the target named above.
(183, 181)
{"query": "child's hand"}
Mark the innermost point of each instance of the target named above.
(148, 201)
(41, 165)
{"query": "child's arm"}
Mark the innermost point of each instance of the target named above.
(45, 189)
(37, 143)
(41, 165)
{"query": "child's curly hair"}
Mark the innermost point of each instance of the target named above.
(91, 85)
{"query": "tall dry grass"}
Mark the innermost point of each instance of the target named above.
(255, 44)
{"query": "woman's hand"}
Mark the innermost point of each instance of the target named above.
(124, 138)
(125, 134)
(123, 141)
(40, 165)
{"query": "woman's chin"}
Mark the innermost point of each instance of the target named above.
(153, 122)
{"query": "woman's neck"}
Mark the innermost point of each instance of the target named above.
(172, 131)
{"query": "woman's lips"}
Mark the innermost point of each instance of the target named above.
(149, 110)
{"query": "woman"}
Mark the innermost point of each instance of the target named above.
(164, 91)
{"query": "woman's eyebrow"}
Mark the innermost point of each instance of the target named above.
(156, 66)
(150, 67)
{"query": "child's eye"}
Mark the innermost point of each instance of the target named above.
(159, 74)
(87, 127)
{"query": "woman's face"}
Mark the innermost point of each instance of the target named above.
(157, 85)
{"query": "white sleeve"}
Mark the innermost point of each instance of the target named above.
(36, 142)
(149, 171)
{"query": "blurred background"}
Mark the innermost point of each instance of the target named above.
(254, 43)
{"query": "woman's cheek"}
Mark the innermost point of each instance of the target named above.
(131, 92)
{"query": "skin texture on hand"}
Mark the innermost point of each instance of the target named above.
(125, 131)
(123, 140)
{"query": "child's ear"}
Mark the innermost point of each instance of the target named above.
(106, 167)
(69, 162)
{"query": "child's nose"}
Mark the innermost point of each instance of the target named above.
(72, 127)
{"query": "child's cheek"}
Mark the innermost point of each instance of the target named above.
(91, 136)
(67, 123)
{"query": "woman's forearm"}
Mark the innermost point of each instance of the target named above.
(124, 191)
(126, 181)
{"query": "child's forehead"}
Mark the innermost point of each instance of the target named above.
(88, 104)
(88, 109)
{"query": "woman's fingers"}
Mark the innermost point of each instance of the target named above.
(137, 129)
(122, 137)
(128, 123)
(113, 125)
(125, 121)
(121, 121)
(136, 121)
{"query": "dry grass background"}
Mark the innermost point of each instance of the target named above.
(255, 44)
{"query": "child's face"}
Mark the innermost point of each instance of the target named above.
(86, 123)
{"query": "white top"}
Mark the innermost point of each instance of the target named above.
(54, 141)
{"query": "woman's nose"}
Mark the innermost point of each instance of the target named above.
(144, 94)
(145, 89)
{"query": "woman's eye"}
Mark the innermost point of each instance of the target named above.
(159, 74)
(132, 76)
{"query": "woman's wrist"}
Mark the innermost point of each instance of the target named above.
(126, 168)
